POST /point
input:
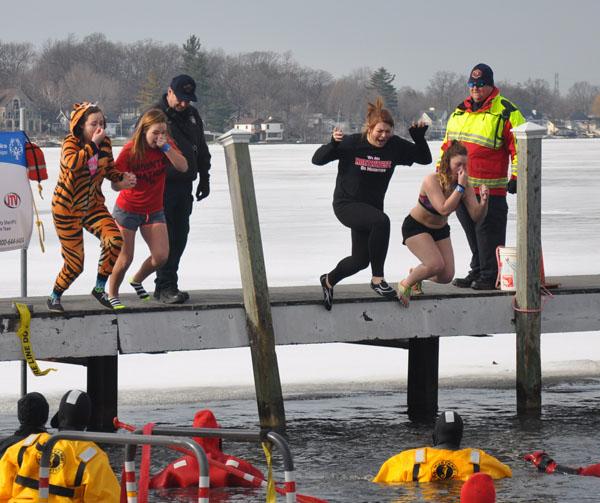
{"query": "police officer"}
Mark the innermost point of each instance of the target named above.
(185, 127)
(79, 470)
(444, 461)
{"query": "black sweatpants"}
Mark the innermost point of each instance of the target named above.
(485, 236)
(370, 239)
(178, 203)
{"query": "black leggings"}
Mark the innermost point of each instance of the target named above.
(370, 240)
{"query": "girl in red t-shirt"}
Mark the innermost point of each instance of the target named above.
(147, 156)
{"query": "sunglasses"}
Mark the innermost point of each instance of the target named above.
(476, 84)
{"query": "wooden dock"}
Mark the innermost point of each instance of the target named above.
(95, 336)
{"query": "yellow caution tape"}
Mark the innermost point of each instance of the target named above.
(39, 223)
(24, 334)
(271, 494)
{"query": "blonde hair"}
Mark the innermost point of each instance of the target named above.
(375, 114)
(151, 117)
(444, 174)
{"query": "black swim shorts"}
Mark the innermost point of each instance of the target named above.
(410, 228)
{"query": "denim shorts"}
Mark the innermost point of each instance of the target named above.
(133, 221)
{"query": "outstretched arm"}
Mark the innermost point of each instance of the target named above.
(422, 154)
(330, 151)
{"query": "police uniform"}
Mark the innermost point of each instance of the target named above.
(79, 472)
(429, 463)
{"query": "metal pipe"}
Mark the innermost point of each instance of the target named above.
(126, 439)
(23, 294)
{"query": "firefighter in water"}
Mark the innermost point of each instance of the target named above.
(444, 461)
(79, 470)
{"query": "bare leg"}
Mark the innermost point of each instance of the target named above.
(123, 262)
(157, 239)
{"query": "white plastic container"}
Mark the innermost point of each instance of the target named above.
(507, 268)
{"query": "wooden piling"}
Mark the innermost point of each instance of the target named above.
(257, 304)
(422, 388)
(102, 387)
(528, 296)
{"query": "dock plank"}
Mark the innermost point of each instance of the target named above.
(216, 319)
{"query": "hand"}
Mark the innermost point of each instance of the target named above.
(542, 461)
(161, 140)
(203, 189)
(337, 134)
(512, 186)
(129, 181)
(484, 193)
(463, 177)
(417, 131)
(99, 136)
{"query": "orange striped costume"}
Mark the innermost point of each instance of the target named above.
(78, 203)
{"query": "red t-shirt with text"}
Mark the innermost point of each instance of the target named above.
(147, 195)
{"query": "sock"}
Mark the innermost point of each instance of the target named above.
(101, 283)
(55, 295)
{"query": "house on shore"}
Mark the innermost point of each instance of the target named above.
(269, 130)
(19, 112)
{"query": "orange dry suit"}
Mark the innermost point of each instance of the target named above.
(184, 471)
(428, 463)
(78, 203)
(79, 472)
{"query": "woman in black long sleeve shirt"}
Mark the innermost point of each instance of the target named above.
(366, 165)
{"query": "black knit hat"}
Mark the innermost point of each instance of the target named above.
(74, 412)
(32, 410)
(482, 74)
(448, 429)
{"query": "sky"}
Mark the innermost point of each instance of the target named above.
(518, 39)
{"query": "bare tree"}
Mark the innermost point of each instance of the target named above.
(446, 90)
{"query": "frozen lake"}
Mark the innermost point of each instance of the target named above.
(302, 239)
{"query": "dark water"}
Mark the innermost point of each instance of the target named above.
(339, 439)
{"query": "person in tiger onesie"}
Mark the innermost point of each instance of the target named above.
(78, 203)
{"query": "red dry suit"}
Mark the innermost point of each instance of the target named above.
(184, 471)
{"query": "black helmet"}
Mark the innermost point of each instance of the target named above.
(32, 410)
(448, 430)
(74, 412)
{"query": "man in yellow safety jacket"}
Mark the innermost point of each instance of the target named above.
(483, 123)
(79, 470)
(444, 461)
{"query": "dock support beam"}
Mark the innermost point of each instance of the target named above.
(257, 303)
(529, 254)
(422, 389)
(102, 387)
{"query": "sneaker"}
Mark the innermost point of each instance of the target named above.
(384, 289)
(171, 296)
(54, 305)
(116, 303)
(327, 292)
(483, 284)
(102, 297)
(139, 289)
(466, 281)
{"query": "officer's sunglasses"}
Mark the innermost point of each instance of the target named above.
(476, 84)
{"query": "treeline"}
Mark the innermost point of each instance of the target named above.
(129, 76)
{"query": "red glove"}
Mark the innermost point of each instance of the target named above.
(542, 461)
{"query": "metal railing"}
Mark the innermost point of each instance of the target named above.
(129, 440)
(236, 435)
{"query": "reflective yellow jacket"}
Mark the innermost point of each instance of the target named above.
(428, 463)
(79, 472)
